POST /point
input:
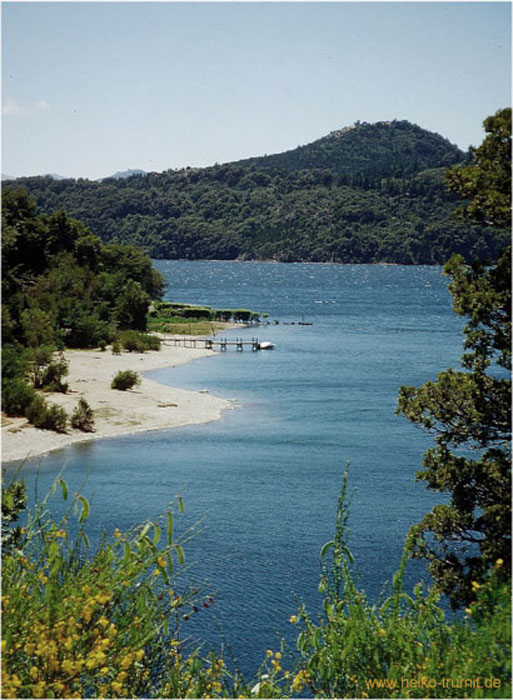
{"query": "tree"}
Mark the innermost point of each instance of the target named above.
(468, 410)
(487, 181)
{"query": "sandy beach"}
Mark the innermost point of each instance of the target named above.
(149, 406)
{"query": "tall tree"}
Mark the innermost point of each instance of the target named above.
(487, 181)
(468, 410)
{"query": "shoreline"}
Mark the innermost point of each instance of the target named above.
(149, 406)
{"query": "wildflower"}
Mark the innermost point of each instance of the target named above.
(286, 674)
(139, 654)
(161, 562)
(103, 621)
(276, 665)
(104, 671)
(476, 586)
(43, 578)
(278, 655)
(117, 533)
(299, 681)
(156, 572)
(382, 632)
(499, 563)
(269, 653)
(126, 661)
(468, 611)
(293, 619)
(61, 533)
(103, 597)
(116, 686)
(34, 673)
(38, 690)
(29, 647)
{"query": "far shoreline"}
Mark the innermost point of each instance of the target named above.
(150, 406)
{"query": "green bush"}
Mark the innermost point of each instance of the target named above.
(116, 347)
(124, 380)
(134, 341)
(47, 416)
(82, 417)
(53, 375)
(17, 396)
(101, 624)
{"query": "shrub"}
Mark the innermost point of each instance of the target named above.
(17, 396)
(116, 348)
(125, 380)
(82, 417)
(134, 341)
(101, 624)
(53, 375)
(47, 416)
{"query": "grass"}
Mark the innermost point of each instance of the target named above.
(113, 622)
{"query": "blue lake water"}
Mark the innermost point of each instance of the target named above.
(267, 476)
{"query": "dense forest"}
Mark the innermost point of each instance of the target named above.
(61, 287)
(367, 193)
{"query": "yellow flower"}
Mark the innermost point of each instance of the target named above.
(499, 563)
(38, 690)
(116, 686)
(61, 533)
(104, 671)
(382, 632)
(269, 653)
(103, 597)
(103, 621)
(286, 674)
(476, 586)
(161, 562)
(29, 647)
(468, 611)
(117, 533)
(34, 673)
(278, 655)
(126, 661)
(293, 618)
(139, 654)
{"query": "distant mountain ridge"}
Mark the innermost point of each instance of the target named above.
(362, 194)
(123, 174)
(390, 147)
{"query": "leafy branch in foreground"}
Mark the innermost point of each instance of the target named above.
(110, 624)
(469, 411)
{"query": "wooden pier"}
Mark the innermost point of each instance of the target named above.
(221, 344)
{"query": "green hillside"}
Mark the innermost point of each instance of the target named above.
(368, 193)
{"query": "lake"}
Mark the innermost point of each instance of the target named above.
(268, 475)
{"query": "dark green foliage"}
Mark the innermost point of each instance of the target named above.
(486, 182)
(62, 285)
(82, 417)
(47, 416)
(14, 500)
(54, 373)
(17, 396)
(125, 380)
(372, 193)
(116, 347)
(133, 341)
(469, 411)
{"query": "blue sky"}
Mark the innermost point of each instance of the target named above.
(92, 88)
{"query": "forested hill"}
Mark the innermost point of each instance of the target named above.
(385, 149)
(367, 193)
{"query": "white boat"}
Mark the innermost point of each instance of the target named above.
(266, 345)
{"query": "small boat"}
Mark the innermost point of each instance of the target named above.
(266, 345)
